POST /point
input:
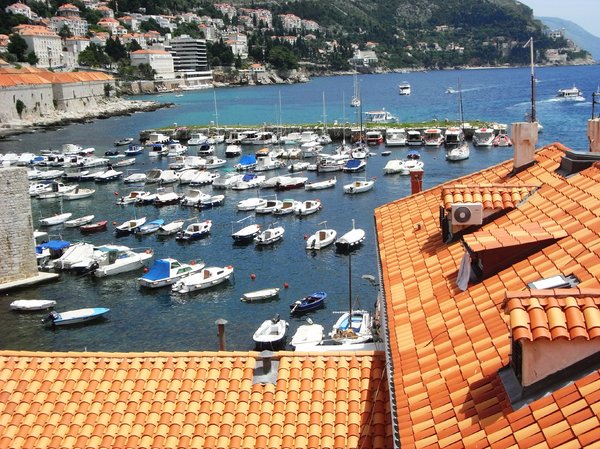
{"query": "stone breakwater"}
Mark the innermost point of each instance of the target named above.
(103, 109)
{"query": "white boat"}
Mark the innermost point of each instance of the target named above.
(150, 227)
(168, 177)
(193, 198)
(226, 181)
(321, 238)
(353, 327)
(32, 304)
(395, 137)
(260, 295)
(116, 259)
(79, 221)
(78, 194)
(125, 162)
(351, 239)
(233, 150)
(205, 278)
(307, 336)
(271, 333)
(129, 226)
(204, 177)
(212, 201)
(249, 181)
(298, 166)
(195, 231)
(433, 137)
(359, 186)
(286, 207)
(269, 236)
(170, 228)
(502, 140)
(108, 176)
(290, 182)
(186, 176)
(404, 88)
(354, 165)
(412, 165)
(197, 138)
(153, 175)
(307, 207)
(483, 137)
(75, 316)
(213, 162)
(135, 178)
(168, 271)
(251, 203)
(77, 257)
(414, 137)
(458, 153)
(156, 137)
(570, 93)
(394, 166)
(269, 207)
(320, 185)
(132, 197)
(381, 116)
(56, 219)
(267, 163)
(453, 136)
(166, 199)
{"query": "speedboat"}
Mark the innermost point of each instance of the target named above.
(132, 197)
(307, 336)
(353, 327)
(246, 162)
(115, 259)
(108, 176)
(321, 239)
(395, 137)
(170, 228)
(307, 207)
(404, 88)
(233, 150)
(168, 271)
(571, 93)
(246, 234)
(77, 257)
(458, 153)
(205, 278)
(195, 231)
(269, 236)
(260, 295)
(193, 198)
(32, 304)
(151, 226)
(75, 316)
(308, 303)
(166, 199)
(197, 138)
(354, 165)
(271, 333)
(133, 150)
(483, 137)
(351, 239)
(359, 186)
(129, 226)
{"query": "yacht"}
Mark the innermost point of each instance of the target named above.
(414, 137)
(433, 137)
(571, 93)
(404, 88)
(483, 137)
(197, 139)
(382, 116)
(395, 137)
(453, 136)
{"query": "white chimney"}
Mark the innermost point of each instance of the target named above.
(524, 137)
(594, 135)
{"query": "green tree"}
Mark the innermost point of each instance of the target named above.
(134, 46)
(152, 25)
(17, 46)
(93, 56)
(191, 29)
(115, 49)
(146, 71)
(65, 32)
(282, 58)
(32, 58)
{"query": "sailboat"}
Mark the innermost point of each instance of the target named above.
(325, 138)
(355, 102)
(462, 150)
(354, 326)
(531, 116)
(217, 138)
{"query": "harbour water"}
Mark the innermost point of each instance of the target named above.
(142, 320)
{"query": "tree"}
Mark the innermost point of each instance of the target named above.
(17, 46)
(146, 71)
(115, 49)
(65, 32)
(32, 58)
(134, 46)
(282, 58)
(93, 56)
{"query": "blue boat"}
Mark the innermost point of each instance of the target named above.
(310, 302)
(132, 150)
(246, 162)
(354, 166)
(151, 226)
(75, 316)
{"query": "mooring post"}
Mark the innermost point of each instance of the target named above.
(221, 332)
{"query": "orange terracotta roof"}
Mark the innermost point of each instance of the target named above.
(491, 196)
(192, 400)
(446, 345)
(549, 314)
(519, 234)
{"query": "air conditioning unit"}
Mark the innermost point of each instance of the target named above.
(464, 214)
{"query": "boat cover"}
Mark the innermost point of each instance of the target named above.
(413, 154)
(248, 177)
(353, 163)
(160, 270)
(248, 159)
(53, 245)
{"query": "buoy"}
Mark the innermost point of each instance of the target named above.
(285, 285)
(114, 223)
(305, 236)
(252, 276)
(145, 269)
(116, 193)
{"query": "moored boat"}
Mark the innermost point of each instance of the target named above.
(320, 185)
(129, 226)
(269, 236)
(308, 303)
(170, 228)
(195, 231)
(168, 271)
(79, 221)
(271, 333)
(207, 277)
(260, 295)
(75, 316)
(321, 238)
(94, 227)
(32, 304)
(56, 219)
(351, 239)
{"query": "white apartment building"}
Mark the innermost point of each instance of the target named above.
(160, 60)
(46, 44)
(19, 8)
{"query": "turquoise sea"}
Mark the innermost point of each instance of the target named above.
(156, 320)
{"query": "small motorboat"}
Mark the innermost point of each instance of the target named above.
(308, 303)
(123, 142)
(251, 203)
(268, 207)
(133, 150)
(78, 194)
(116, 259)
(249, 181)
(271, 333)
(170, 228)
(233, 150)
(260, 295)
(135, 178)
(212, 201)
(203, 177)
(291, 182)
(150, 227)
(205, 278)
(246, 234)
(56, 219)
(354, 165)
(308, 207)
(129, 226)
(32, 304)
(286, 207)
(166, 199)
(108, 176)
(94, 227)
(353, 327)
(308, 336)
(75, 316)
(321, 239)
(195, 231)
(79, 221)
(359, 186)
(351, 239)
(168, 271)
(193, 198)
(320, 185)
(269, 236)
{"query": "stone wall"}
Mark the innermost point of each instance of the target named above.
(78, 97)
(37, 99)
(17, 253)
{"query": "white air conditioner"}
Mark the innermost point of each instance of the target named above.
(464, 214)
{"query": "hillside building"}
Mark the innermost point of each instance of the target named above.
(161, 62)
(69, 15)
(45, 43)
(190, 60)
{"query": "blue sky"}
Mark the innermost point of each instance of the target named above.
(583, 12)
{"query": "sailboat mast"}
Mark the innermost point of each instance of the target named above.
(350, 287)
(532, 118)
(216, 111)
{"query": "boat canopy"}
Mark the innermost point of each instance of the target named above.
(353, 163)
(248, 159)
(248, 177)
(160, 270)
(52, 245)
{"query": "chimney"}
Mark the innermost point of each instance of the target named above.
(266, 368)
(594, 135)
(416, 181)
(524, 137)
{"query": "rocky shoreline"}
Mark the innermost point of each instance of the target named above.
(104, 109)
